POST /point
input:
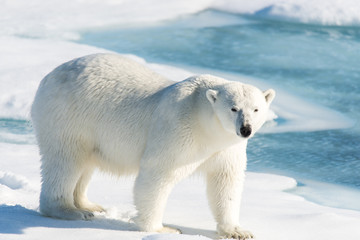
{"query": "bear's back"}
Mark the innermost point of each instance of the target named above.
(100, 88)
(103, 81)
(101, 74)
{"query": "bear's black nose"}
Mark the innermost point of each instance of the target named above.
(245, 130)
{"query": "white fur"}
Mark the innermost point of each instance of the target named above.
(105, 111)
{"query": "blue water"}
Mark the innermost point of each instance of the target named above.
(320, 64)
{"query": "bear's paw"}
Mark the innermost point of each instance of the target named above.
(234, 232)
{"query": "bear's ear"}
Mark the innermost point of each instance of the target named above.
(211, 95)
(269, 95)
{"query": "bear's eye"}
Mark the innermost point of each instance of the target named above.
(234, 109)
(256, 110)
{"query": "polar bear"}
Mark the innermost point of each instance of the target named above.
(109, 112)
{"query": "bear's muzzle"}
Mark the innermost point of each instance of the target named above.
(245, 130)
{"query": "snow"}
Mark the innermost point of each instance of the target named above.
(63, 18)
(330, 12)
(173, 237)
(267, 210)
(12, 181)
(23, 63)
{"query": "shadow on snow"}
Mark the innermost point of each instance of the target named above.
(14, 219)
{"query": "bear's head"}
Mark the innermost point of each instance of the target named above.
(241, 109)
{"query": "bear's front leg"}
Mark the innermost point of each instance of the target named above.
(151, 191)
(225, 177)
(166, 160)
(224, 192)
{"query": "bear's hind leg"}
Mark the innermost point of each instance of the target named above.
(60, 173)
(80, 193)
